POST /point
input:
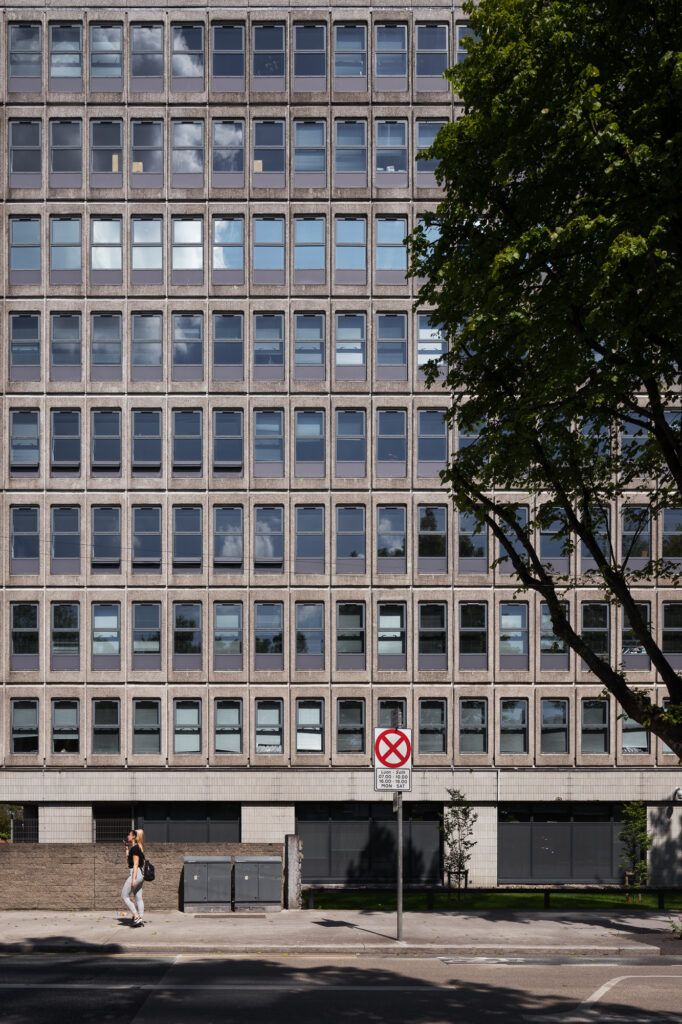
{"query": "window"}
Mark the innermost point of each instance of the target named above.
(309, 540)
(65, 638)
(671, 638)
(473, 725)
(146, 635)
(147, 726)
(66, 154)
(513, 635)
(227, 717)
(188, 346)
(228, 154)
(187, 58)
(25, 636)
(309, 250)
(187, 638)
(187, 442)
(432, 442)
(310, 58)
(268, 538)
(24, 739)
(391, 637)
(187, 261)
(146, 441)
(309, 635)
(146, 346)
(632, 650)
(514, 726)
(65, 451)
(309, 726)
(268, 442)
(66, 58)
(553, 650)
(228, 251)
(672, 533)
(268, 250)
(65, 250)
(350, 635)
(350, 726)
(432, 538)
(473, 544)
(228, 636)
(106, 154)
(309, 443)
(66, 539)
(350, 539)
(309, 346)
(350, 251)
(106, 58)
(269, 727)
(351, 443)
(635, 536)
(426, 167)
(187, 538)
(106, 726)
(106, 538)
(433, 636)
(601, 529)
(146, 58)
(432, 344)
(146, 154)
(146, 539)
(228, 346)
(65, 346)
(350, 154)
(553, 541)
(350, 346)
(24, 252)
(391, 538)
(25, 57)
(473, 635)
(391, 346)
(268, 154)
(310, 158)
(24, 346)
(635, 738)
(187, 154)
(106, 346)
(24, 441)
(25, 154)
(186, 726)
(106, 442)
(391, 254)
(431, 58)
(268, 346)
(595, 629)
(268, 58)
(553, 726)
(268, 635)
(228, 60)
(432, 726)
(228, 442)
(65, 726)
(390, 154)
(594, 731)
(520, 514)
(391, 711)
(228, 538)
(463, 33)
(350, 58)
(391, 442)
(106, 636)
(147, 260)
(390, 57)
(24, 539)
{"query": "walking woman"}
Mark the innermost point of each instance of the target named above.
(133, 883)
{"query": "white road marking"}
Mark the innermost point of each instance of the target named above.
(582, 1010)
(608, 985)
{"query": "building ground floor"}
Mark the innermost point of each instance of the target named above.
(533, 826)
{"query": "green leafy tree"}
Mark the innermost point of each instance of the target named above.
(554, 265)
(457, 828)
(6, 813)
(636, 842)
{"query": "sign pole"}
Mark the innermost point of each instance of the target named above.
(399, 903)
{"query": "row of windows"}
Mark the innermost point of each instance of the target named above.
(309, 730)
(228, 153)
(231, 348)
(227, 56)
(268, 632)
(227, 255)
(269, 530)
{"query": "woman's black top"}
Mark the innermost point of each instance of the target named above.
(133, 852)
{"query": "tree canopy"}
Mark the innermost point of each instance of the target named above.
(553, 263)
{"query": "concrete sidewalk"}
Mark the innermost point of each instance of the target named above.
(485, 933)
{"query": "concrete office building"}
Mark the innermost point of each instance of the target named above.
(226, 556)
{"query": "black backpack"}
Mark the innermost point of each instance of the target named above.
(148, 872)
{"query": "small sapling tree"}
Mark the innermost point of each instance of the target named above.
(637, 842)
(457, 828)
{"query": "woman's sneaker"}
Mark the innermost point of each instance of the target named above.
(137, 922)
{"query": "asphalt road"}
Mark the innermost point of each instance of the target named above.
(44, 989)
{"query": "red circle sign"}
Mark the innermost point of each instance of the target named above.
(392, 748)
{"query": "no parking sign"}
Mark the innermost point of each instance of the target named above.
(393, 759)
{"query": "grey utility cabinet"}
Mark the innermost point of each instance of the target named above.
(258, 883)
(208, 883)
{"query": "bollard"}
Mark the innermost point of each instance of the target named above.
(661, 899)
(546, 899)
(311, 899)
(429, 899)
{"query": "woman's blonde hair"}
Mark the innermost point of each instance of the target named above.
(139, 836)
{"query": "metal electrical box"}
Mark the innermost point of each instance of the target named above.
(258, 883)
(208, 883)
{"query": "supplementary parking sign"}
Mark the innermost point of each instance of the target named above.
(393, 759)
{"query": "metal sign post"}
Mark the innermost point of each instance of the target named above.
(393, 771)
(398, 808)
